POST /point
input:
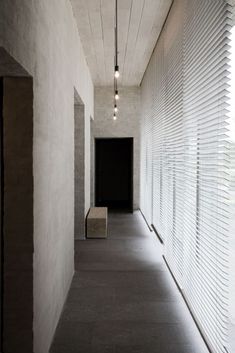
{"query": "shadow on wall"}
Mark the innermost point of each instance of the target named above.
(16, 110)
(79, 167)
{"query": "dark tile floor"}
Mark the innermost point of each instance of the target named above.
(123, 299)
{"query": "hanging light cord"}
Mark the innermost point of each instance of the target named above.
(116, 34)
(116, 67)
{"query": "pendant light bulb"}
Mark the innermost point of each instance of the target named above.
(116, 95)
(114, 117)
(116, 74)
(115, 109)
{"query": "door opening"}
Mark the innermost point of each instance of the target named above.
(79, 167)
(114, 173)
(1, 214)
(16, 125)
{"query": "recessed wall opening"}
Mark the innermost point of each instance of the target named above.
(16, 206)
(1, 216)
(79, 167)
(16, 114)
(114, 173)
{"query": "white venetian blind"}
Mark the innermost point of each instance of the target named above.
(157, 142)
(146, 149)
(231, 340)
(173, 140)
(186, 155)
(205, 106)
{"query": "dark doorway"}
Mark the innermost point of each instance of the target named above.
(16, 220)
(114, 173)
(1, 212)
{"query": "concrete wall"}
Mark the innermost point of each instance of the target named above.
(79, 172)
(127, 125)
(42, 36)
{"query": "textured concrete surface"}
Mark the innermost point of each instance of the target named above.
(123, 299)
(18, 215)
(79, 171)
(42, 37)
(127, 125)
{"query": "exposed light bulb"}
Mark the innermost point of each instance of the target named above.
(115, 109)
(116, 74)
(116, 95)
(114, 117)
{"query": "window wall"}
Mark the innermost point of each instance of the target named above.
(187, 154)
(231, 134)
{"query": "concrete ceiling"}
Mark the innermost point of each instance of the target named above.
(139, 25)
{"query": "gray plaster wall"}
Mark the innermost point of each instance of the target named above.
(42, 37)
(127, 125)
(79, 172)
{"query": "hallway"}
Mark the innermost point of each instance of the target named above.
(123, 299)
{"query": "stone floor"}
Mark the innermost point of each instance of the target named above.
(123, 299)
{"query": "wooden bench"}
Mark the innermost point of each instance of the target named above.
(97, 222)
